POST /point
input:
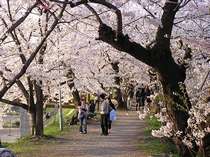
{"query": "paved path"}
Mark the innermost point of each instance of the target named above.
(121, 142)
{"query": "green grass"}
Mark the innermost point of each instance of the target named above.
(156, 146)
(22, 145)
(152, 124)
(30, 144)
(52, 129)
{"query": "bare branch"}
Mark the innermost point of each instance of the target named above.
(204, 80)
(123, 43)
(70, 3)
(184, 4)
(147, 10)
(117, 12)
(104, 3)
(18, 22)
(15, 38)
(28, 62)
(15, 103)
(23, 89)
(94, 12)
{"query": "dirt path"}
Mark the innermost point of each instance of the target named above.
(121, 142)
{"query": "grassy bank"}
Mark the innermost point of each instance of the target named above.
(156, 146)
(51, 131)
(52, 128)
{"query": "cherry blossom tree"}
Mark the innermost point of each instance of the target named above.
(144, 29)
(15, 41)
(168, 16)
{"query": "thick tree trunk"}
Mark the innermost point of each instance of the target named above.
(75, 93)
(39, 131)
(76, 97)
(172, 78)
(159, 57)
(119, 98)
(33, 122)
(32, 107)
(176, 104)
(176, 100)
(171, 75)
(206, 146)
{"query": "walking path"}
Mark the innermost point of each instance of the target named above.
(123, 141)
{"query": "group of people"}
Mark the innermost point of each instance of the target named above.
(107, 109)
(142, 94)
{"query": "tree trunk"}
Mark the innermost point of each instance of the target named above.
(206, 146)
(171, 74)
(32, 107)
(159, 57)
(176, 100)
(121, 103)
(177, 107)
(39, 110)
(119, 98)
(76, 97)
(75, 93)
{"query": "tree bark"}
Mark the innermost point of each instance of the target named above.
(206, 146)
(15, 103)
(119, 98)
(75, 93)
(32, 107)
(159, 57)
(39, 131)
(76, 97)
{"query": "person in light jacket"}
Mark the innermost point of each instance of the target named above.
(104, 111)
(82, 116)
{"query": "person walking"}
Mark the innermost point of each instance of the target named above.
(130, 94)
(91, 110)
(82, 116)
(104, 111)
(112, 109)
(147, 95)
(140, 97)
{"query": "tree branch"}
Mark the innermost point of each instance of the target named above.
(94, 12)
(164, 33)
(102, 2)
(23, 89)
(28, 62)
(116, 10)
(14, 103)
(18, 22)
(123, 43)
(72, 4)
(204, 80)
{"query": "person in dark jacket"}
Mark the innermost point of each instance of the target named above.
(91, 111)
(147, 95)
(140, 97)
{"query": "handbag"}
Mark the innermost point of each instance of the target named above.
(113, 115)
